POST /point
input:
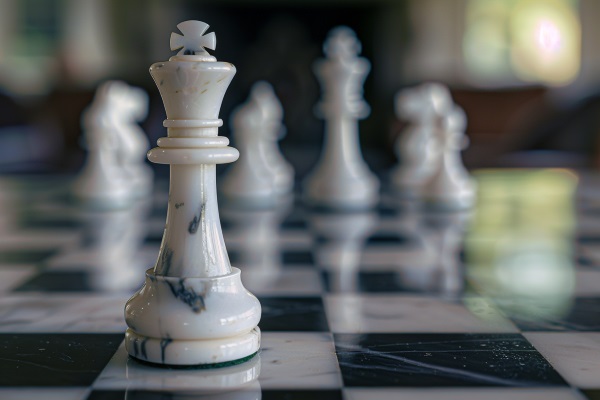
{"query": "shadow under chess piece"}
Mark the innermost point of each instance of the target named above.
(341, 178)
(261, 174)
(193, 308)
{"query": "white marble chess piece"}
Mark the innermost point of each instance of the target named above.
(261, 174)
(193, 308)
(341, 178)
(273, 130)
(421, 107)
(133, 142)
(101, 183)
(450, 186)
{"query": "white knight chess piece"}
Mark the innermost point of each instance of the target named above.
(193, 308)
(341, 178)
(101, 183)
(134, 143)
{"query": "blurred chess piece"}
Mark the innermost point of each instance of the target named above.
(114, 172)
(341, 178)
(133, 141)
(261, 173)
(421, 107)
(101, 182)
(450, 185)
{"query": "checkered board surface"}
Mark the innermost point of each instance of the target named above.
(358, 307)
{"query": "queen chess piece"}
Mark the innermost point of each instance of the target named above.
(193, 308)
(341, 178)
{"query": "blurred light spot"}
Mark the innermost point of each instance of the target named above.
(535, 41)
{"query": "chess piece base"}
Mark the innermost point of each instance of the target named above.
(210, 353)
(192, 321)
(359, 194)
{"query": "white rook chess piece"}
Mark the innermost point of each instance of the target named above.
(101, 183)
(342, 179)
(450, 186)
(422, 107)
(193, 308)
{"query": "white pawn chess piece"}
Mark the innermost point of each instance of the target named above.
(422, 107)
(341, 178)
(252, 181)
(273, 131)
(100, 183)
(193, 308)
(450, 186)
(134, 143)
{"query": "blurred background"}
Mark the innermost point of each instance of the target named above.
(527, 72)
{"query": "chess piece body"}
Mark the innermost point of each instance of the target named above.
(421, 107)
(261, 174)
(341, 178)
(193, 308)
(450, 186)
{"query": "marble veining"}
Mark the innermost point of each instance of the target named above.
(445, 360)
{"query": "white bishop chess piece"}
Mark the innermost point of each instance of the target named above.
(101, 183)
(422, 107)
(450, 186)
(193, 308)
(262, 173)
(342, 179)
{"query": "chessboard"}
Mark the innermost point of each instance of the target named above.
(394, 303)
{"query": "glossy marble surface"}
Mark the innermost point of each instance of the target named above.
(389, 304)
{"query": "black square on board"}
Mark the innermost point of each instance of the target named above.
(58, 281)
(29, 256)
(427, 360)
(296, 257)
(592, 394)
(293, 314)
(388, 239)
(584, 315)
(51, 223)
(369, 282)
(290, 394)
(54, 359)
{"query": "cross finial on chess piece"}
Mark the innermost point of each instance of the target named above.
(193, 40)
(342, 43)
